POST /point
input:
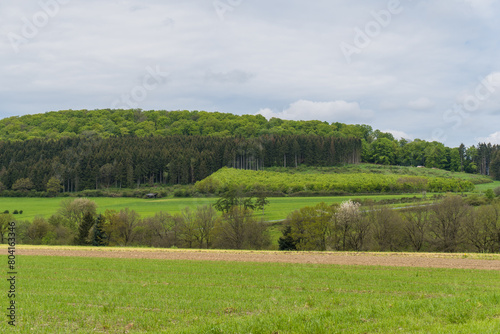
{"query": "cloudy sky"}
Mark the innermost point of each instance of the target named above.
(427, 69)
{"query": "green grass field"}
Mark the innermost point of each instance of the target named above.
(99, 295)
(486, 186)
(279, 207)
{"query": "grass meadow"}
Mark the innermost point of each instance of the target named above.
(278, 209)
(486, 186)
(100, 295)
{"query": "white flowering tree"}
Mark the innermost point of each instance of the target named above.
(351, 228)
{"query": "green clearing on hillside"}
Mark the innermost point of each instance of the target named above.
(330, 182)
(83, 295)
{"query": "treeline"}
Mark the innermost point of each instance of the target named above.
(448, 226)
(74, 164)
(77, 223)
(451, 225)
(138, 123)
(481, 159)
(377, 146)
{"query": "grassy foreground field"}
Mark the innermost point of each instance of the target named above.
(84, 295)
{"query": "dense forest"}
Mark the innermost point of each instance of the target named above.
(84, 149)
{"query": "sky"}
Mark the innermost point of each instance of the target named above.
(426, 69)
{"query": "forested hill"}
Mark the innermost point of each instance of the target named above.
(93, 162)
(376, 146)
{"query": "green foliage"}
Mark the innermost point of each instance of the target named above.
(239, 229)
(84, 228)
(107, 123)
(23, 184)
(312, 227)
(495, 166)
(121, 227)
(109, 148)
(234, 196)
(38, 230)
(286, 242)
(332, 183)
(5, 219)
(384, 151)
(261, 201)
(92, 164)
(490, 194)
(74, 211)
(99, 237)
(447, 226)
(54, 186)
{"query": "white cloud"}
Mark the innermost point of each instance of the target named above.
(334, 111)
(421, 104)
(399, 134)
(494, 139)
(481, 6)
(231, 77)
(262, 55)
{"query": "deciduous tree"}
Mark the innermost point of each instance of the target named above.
(23, 184)
(447, 223)
(54, 186)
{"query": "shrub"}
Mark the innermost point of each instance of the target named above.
(6, 212)
(183, 193)
(497, 191)
(476, 200)
(15, 212)
(490, 195)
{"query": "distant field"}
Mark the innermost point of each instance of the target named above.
(279, 207)
(84, 295)
(486, 186)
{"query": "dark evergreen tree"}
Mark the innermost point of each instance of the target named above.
(99, 237)
(287, 242)
(83, 230)
(495, 166)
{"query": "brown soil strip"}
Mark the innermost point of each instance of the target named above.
(395, 260)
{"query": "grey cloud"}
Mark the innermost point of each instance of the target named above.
(280, 56)
(231, 77)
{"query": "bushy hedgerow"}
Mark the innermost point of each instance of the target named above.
(328, 183)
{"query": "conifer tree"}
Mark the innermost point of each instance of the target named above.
(84, 228)
(99, 237)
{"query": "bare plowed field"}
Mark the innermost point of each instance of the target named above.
(366, 259)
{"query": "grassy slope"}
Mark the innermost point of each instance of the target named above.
(83, 295)
(486, 186)
(352, 179)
